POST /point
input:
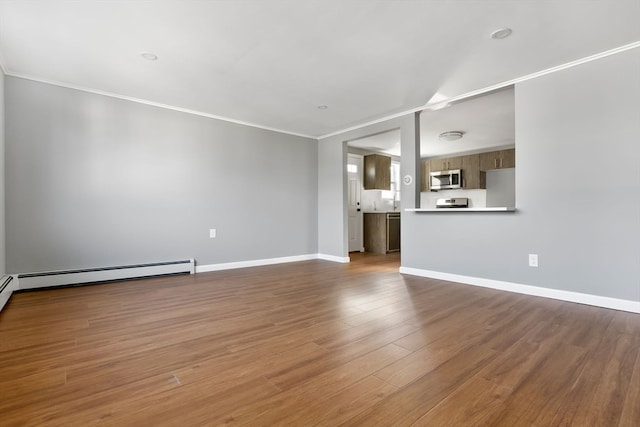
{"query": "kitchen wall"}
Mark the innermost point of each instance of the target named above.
(98, 181)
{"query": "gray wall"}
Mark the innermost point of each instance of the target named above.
(2, 180)
(97, 181)
(578, 191)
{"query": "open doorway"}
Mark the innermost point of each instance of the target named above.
(354, 174)
(373, 167)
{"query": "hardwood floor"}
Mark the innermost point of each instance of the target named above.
(313, 343)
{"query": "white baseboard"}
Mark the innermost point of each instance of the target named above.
(267, 261)
(595, 300)
(334, 258)
(252, 263)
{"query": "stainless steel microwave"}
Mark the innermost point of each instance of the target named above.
(444, 180)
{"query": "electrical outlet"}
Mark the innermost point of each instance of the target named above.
(212, 233)
(533, 260)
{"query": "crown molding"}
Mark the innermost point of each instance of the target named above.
(152, 103)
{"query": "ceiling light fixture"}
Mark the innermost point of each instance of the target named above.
(149, 56)
(501, 33)
(322, 107)
(452, 135)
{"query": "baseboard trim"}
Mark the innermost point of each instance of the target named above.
(252, 263)
(577, 297)
(341, 259)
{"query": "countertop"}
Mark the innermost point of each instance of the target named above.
(380, 212)
(491, 209)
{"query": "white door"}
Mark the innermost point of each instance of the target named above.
(354, 168)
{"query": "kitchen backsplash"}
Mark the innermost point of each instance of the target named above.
(371, 200)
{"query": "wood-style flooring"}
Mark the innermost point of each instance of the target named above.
(313, 343)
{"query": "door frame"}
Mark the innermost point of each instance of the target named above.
(360, 235)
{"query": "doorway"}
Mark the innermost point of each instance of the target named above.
(354, 172)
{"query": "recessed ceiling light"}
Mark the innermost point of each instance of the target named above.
(149, 56)
(322, 107)
(501, 33)
(452, 135)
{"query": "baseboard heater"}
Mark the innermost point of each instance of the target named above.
(6, 288)
(103, 274)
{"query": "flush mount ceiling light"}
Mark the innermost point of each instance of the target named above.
(452, 135)
(322, 107)
(149, 56)
(501, 33)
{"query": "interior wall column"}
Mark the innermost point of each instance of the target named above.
(410, 161)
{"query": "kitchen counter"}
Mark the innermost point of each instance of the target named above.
(491, 209)
(380, 212)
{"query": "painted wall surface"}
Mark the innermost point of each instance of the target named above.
(2, 180)
(578, 191)
(98, 181)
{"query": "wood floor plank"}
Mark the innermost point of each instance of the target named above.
(315, 389)
(631, 410)
(313, 343)
(595, 398)
(415, 399)
(474, 403)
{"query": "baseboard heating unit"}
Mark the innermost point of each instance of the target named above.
(6, 288)
(103, 274)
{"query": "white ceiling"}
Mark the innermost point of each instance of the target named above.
(271, 63)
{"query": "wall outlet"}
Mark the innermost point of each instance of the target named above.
(212, 233)
(533, 260)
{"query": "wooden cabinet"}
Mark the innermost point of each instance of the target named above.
(424, 175)
(446, 164)
(377, 172)
(381, 232)
(498, 160)
(472, 177)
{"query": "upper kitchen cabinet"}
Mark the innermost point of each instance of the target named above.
(472, 178)
(447, 164)
(502, 159)
(377, 172)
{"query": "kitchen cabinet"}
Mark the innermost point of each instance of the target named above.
(381, 232)
(473, 167)
(446, 164)
(377, 172)
(502, 159)
(424, 175)
(472, 177)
